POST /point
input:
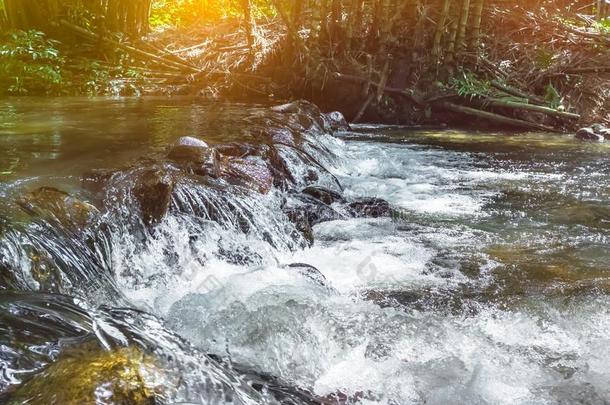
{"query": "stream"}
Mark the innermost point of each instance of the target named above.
(484, 279)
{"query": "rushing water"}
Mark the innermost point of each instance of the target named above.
(489, 284)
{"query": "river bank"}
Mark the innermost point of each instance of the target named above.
(485, 65)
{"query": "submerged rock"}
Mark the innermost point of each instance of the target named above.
(52, 204)
(588, 134)
(121, 376)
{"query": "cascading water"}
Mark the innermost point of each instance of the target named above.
(484, 280)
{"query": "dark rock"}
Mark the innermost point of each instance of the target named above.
(315, 210)
(153, 191)
(323, 194)
(301, 222)
(371, 207)
(588, 134)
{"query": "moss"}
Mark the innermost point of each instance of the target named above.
(123, 376)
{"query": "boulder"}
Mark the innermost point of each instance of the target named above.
(153, 190)
(323, 194)
(588, 134)
(371, 207)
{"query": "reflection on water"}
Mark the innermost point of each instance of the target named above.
(64, 136)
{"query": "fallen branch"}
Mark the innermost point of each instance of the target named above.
(500, 119)
(517, 93)
(531, 107)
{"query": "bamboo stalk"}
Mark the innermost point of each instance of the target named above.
(461, 34)
(440, 29)
(531, 107)
(516, 92)
(500, 119)
(475, 32)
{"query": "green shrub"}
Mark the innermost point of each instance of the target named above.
(30, 64)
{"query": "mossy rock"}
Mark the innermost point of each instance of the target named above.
(122, 376)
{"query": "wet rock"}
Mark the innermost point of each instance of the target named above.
(337, 121)
(371, 207)
(310, 272)
(153, 190)
(301, 222)
(190, 141)
(315, 210)
(121, 376)
(588, 134)
(203, 161)
(55, 205)
(323, 194)
(251, 173)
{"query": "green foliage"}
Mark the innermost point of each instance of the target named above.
(552, 96)
(603, 25)
(466, 84)
(30, 63)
